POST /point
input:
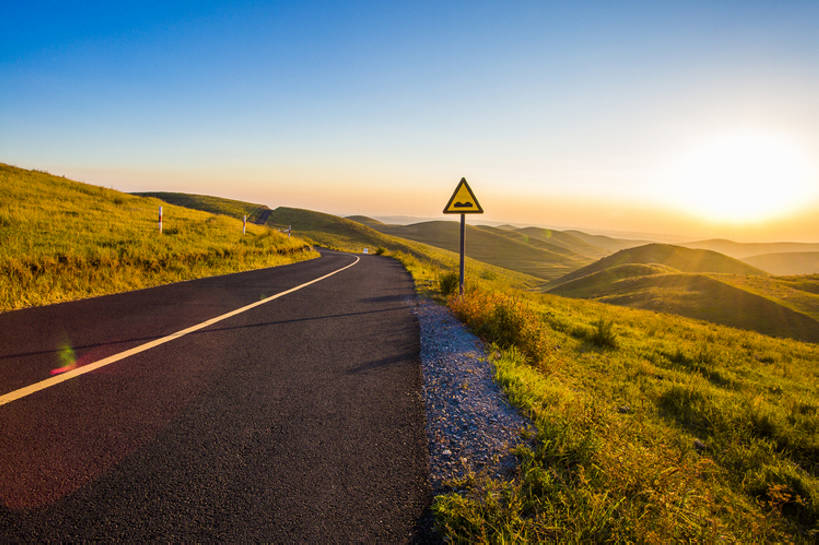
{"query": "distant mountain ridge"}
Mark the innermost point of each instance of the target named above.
(700, 284)
(786, 263)
(677, 257)
(742, 250)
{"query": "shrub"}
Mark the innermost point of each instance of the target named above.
(602, 335)
(380, 250)
(449, 283)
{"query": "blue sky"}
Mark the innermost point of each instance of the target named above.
(381, 107)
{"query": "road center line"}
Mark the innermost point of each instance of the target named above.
(53, 381)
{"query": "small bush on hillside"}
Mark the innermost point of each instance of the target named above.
(380, 251)
(602, 335)
(449, 283)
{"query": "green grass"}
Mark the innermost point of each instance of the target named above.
(650, 428)
(62, 240)
(757, 303)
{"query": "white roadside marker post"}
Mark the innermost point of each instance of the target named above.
(160, 220)
(244, 225)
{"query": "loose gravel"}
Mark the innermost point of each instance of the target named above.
(470, 424)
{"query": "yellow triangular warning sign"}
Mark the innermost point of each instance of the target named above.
(463, 201)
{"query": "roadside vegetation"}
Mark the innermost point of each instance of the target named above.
(650, 427)
(62, 240)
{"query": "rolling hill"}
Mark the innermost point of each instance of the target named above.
(698, 284)
(676, 257)
(693, 295)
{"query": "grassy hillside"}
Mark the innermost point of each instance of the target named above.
(800, 293)
(207, 203)
(650, 428)
(62, 240)
(600, 282)
(491, 245)
(698, 296)
(636, 278)
(677, 257)
(786, 263)
(741, 250)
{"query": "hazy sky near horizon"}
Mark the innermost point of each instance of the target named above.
(689, 118)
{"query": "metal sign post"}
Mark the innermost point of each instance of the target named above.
(463, 202)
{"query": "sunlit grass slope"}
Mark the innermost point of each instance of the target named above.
(492, 245)
(207, 203)
(715, 299)
(62, 240)
(650, 428)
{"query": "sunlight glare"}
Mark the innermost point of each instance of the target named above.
(743, 176)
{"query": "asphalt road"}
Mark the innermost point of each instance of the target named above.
(298, 421)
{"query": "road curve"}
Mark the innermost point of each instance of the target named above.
(297, 421)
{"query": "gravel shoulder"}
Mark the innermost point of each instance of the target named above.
(470, 424)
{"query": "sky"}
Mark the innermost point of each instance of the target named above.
(689, 119)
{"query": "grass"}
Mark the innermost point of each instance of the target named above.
(757, 303)
(651, 428)
(62, 240)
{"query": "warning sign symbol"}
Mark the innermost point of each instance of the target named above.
(463, 201)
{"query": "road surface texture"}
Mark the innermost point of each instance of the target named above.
(298, 421)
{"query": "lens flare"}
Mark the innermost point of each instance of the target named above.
(67, 359)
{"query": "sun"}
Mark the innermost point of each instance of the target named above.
(742, 177)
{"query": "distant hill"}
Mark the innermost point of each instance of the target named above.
(786, 263)
(741, 250)
(607, 243)
(699, 284)
(366, 220)
(677, 257)
(590, 246)
(493, 245)
(207, 203)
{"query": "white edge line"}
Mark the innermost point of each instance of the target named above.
(53, 381)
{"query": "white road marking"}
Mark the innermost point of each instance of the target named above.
(53, 381)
